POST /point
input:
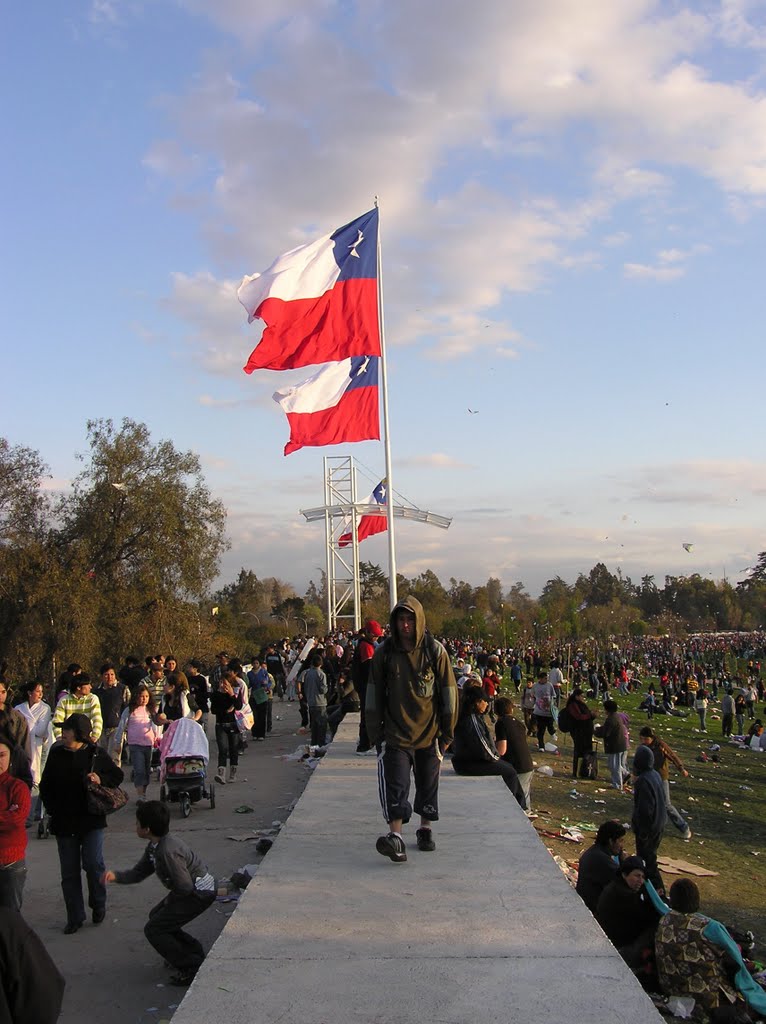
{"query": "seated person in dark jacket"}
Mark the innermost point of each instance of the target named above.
(512, 746)
(599, 865)
(473, 749)
(626, 912)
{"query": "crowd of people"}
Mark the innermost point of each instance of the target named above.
(421, 700)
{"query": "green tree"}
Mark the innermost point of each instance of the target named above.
(372, 581)
(141, 518)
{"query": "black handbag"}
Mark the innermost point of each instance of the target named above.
(102, 799)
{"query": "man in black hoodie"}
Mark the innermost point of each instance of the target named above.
(411, 711)
(649, 812)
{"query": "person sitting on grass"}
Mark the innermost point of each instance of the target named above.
(629, 910)
(697, 957)
(600, 863)
(192, 890)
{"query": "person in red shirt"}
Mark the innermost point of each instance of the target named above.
(360, 674)
(14, 811)
(491, 680)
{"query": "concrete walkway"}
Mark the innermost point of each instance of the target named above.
(484, 929)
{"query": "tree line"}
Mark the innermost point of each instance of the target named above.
(126, 561)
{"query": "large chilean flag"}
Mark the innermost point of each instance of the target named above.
(339, 403)
(319, 302)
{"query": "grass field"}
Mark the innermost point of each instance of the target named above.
(724, 803)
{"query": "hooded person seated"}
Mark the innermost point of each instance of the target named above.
(697, 957)
(627, 912)
(599, 865)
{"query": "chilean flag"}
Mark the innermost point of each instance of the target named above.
(319, 302)
(369, 525)
(338, 403)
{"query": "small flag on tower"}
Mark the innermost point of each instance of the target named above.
(369, 525)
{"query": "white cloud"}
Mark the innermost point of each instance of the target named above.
(645, 271)
(736, 23)
(436, 460)
(669, 266)
(433, 79)
(701, 482)
(227, 403)
(211, 309)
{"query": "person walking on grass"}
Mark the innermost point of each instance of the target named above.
(191, 885)
(411, 713)
(664, 756)
(649, 813)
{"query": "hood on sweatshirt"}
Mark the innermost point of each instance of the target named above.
(643, 760)
(411, 604)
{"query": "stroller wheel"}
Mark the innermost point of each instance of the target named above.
(185, 802)
(211, 794)
(163, 793)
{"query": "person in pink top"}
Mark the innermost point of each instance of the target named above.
(140, 733)
(14, 810)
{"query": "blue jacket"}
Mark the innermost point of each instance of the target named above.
(649, 809)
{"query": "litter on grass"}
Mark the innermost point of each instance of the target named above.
(683, 867)
(545, 769)
(681, 1006)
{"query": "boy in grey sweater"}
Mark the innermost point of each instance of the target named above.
(315, 692)
(192, 890)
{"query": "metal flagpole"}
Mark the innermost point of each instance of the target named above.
(386, 431)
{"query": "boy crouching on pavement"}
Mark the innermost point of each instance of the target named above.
(192, 890)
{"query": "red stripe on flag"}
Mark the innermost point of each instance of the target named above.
(302, 332)
(354, 418)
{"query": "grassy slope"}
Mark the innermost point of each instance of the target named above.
(725, 838)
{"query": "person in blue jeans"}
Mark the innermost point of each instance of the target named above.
(79, 833)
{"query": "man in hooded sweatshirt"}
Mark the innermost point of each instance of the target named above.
(411, 712)
(649, 812)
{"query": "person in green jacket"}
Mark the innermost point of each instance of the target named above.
(411, 712)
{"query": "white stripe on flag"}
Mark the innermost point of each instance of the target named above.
(322, 390)
(305, 272)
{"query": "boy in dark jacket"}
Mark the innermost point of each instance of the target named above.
(192, 890)
(649, 812)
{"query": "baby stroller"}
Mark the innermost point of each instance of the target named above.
(183, 765)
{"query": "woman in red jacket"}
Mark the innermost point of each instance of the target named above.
(14, 810)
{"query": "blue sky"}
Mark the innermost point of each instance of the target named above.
(572, 215)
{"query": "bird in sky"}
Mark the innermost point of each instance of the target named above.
(687, 547)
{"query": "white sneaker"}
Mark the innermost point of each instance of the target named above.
(232, 774)
(687, 834)
(221, 777)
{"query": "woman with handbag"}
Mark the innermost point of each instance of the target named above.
(73, 768)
